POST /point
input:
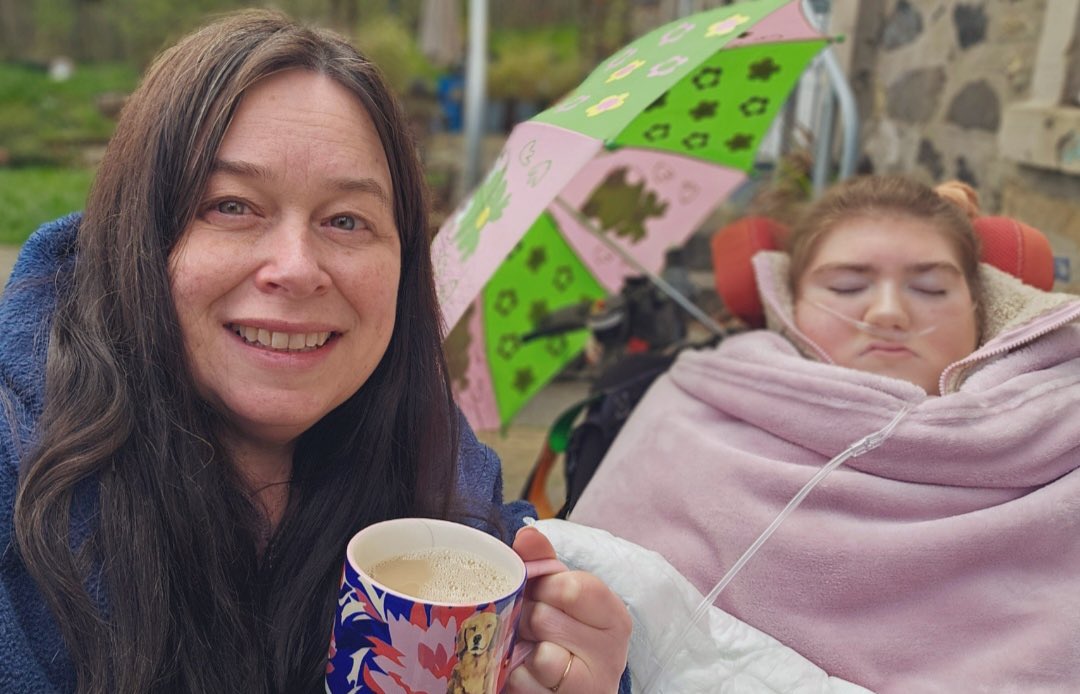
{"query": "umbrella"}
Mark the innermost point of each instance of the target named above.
(598, 187)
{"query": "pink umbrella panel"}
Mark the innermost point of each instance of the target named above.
(642, 152)
(559, 262)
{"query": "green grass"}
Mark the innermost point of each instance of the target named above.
(45, 130)
(31, 196)
(47, 123)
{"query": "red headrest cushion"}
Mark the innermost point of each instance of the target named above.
(1007, 244)
(1018, 249)
(732, 248)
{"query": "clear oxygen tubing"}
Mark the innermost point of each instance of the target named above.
(860, 447)
(891, 334)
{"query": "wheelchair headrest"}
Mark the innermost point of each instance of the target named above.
(1007, 244)
(1018, 249)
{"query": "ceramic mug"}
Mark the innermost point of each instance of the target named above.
(388, 641)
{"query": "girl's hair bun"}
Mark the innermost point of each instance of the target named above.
(962, 195)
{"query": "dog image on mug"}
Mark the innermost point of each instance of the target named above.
(476, 637)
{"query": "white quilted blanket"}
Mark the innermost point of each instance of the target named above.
(722, 654)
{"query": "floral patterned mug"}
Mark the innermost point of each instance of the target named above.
(387, 641)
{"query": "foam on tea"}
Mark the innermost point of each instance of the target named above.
(441, 574)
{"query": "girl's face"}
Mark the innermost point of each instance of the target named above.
(286, 281)
(900, 278)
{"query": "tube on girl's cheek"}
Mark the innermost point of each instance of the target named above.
(891, 334)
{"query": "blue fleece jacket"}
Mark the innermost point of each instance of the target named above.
(33, 658)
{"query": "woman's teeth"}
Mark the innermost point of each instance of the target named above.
(291, 342)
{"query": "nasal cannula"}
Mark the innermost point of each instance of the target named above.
(863, 445)
(891, 334)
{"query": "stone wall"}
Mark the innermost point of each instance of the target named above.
(962, 89)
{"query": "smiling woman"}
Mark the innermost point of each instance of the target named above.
(222, 371)
(294, 241)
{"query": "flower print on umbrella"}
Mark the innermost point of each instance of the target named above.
(754, 106)
(508, 346)
(657, 132)
(688, 191)
(527, 153)
(704, 110)
(621, 58)
(668, 66)
(764, 70)
(538, 311)
(739, 142)
(537, 258)
(625, 71)
(726, 26)
(696, 140)
(676, 33)
(564, 278)
(486, 206)
(557, 345)
(538, 172)
(524, 379)
(506, 302)
(708, 78)
(572, 103)
(608, 103)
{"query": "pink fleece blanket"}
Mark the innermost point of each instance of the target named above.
(947, 560)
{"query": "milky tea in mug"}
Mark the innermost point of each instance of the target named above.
(425, 605)
(442, 574)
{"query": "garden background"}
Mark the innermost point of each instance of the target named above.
(67, 65)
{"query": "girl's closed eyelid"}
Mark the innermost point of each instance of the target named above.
(843, 283)
(930, 285)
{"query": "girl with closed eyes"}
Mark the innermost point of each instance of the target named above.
(945, 559)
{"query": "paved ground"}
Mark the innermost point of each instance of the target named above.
(525, 437)
(520, 445)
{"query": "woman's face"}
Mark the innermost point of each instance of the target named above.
(286, 281)
(902, 279)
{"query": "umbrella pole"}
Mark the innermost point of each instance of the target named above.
(475, 92)
(659, 281)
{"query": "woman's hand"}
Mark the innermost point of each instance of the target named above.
(580, 628)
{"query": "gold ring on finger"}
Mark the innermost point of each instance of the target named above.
(565, 672)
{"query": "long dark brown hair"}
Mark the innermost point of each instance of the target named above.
(167, 591)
